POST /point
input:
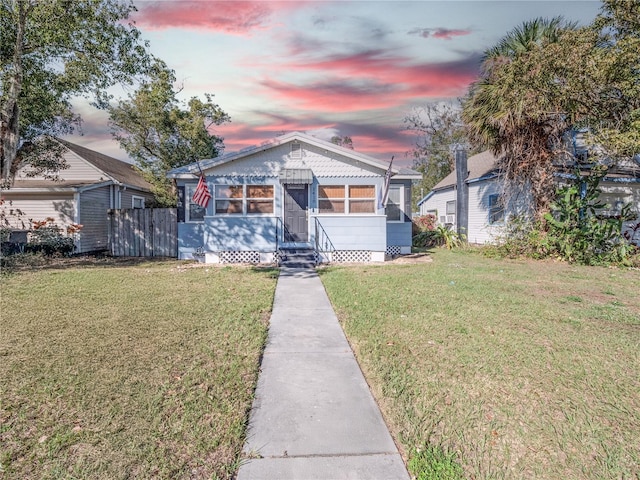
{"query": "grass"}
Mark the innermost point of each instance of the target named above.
(142, 371)
(503, 368)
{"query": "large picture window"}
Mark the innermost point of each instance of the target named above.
(347, 199)
(244, 199)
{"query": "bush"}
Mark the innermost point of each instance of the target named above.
(573, 230)
(440, 236)
(50, 239)
(424, 223)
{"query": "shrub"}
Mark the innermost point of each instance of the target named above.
(574, 230)
(48, 238)
(440, 236)
(424, 223)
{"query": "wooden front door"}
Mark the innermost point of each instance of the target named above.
(296, 204)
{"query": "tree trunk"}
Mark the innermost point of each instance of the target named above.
(10, 111)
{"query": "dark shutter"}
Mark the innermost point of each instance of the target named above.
(181, 204)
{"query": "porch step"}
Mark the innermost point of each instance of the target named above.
(297, 258)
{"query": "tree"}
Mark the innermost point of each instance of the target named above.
(549, 77)
(438, 126)
(513, 108)
(50, 52)
(345, 141)
(161, 133)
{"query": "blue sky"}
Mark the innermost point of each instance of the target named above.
(325, 67)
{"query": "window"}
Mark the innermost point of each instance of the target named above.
(496, 209)
(244, 199)
(353, 199)
(137, 202)
(451, 207)
(394, 204)
(193, 211)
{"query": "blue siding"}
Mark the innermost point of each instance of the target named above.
(240, 234)
(350, 232)
(399, 234)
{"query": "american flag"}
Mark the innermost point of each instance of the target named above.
(201, 195)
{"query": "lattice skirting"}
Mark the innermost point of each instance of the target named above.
(393, 250)
(351, 256)
(239, 257)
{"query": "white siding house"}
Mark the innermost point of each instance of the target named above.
(92, 184)
(486, 215)
(295, 192)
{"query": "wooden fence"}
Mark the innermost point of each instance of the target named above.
(143, 232)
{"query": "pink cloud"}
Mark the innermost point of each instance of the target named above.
(371, 80)
(338, 95)
(235, 17)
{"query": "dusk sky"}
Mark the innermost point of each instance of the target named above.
(325, 67)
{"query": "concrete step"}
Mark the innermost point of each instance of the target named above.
(298, 258)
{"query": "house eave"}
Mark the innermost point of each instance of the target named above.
(188, 171)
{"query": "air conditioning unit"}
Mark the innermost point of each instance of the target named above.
(451, 219)
(443, 219)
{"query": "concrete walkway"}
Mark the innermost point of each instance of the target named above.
(313, 416)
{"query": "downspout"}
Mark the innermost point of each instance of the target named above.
(76, 219)
(462, 191)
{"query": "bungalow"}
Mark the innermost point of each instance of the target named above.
(92, 184)
(295, 192)
(485, 210)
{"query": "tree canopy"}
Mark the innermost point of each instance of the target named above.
(548, 77)
(437, 126)
(160, 133)
(51, 52)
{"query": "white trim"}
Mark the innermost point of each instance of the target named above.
(244, 200)
(401, 205)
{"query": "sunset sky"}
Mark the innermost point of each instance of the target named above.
(325, 67)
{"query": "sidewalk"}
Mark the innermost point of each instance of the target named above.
(313, 416)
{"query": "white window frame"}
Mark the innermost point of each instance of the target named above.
(448, 204)
(347, 199)
(133, 201)
(188, 201)
(244, 200)
(399, 188)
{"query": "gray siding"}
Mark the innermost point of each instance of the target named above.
(94, 205)
(126, 197)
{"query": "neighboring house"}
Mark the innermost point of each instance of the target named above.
(295, 192)
(92, 184)
(488, 213)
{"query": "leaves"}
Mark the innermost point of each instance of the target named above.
(548, 77)
(51, 51)
(160, 133)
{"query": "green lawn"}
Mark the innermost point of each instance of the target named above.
(512, 369)
(142, 371)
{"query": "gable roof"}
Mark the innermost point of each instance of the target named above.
(480, 166)
(194, 168)
(119, 171)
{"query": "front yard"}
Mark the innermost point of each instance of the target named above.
(521, 369)
(483, 368)
(116, 372)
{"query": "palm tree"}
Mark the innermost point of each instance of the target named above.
(513, 108)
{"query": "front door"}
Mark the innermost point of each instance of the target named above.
(296, 203)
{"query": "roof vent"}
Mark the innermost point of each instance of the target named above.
(296, 150)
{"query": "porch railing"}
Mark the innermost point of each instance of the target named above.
(323, 243)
